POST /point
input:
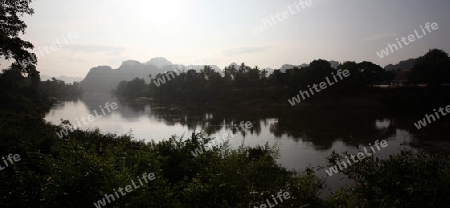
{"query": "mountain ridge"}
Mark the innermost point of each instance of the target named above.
(105, 78)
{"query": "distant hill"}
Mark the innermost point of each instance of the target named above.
(104, 78)
(334, 64)
(63, 78)
(159, 62)
(402, 65)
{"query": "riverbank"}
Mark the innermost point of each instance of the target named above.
(77, 170)
(412, 100)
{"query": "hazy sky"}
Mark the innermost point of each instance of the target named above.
(222, 31)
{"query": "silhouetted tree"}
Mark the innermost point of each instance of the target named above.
(11, 26)
(371, 73)
(60, 89)
(431, 68)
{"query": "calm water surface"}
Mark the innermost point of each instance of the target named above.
(305, 137)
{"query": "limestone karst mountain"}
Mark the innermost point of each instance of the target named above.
(105, 78)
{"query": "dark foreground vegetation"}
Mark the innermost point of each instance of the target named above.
(80, 169)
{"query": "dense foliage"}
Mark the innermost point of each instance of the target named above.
(405, 180)
(431, 69)
(61, 90)
(78, 170)
(29, 94)
(11, 26)
(22, 94)
(246, 83)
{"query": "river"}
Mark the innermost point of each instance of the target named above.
(305, 137)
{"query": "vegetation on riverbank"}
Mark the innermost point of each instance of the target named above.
(244, 84)
(78, 170)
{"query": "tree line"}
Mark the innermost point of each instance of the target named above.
(246, 83)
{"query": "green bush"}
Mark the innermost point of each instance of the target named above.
(79, 169)
(404, 180)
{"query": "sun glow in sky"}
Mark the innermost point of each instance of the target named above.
(221, 32)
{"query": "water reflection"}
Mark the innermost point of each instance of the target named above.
(305, 137)
(319, 127)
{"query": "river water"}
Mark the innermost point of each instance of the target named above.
(305, 137)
